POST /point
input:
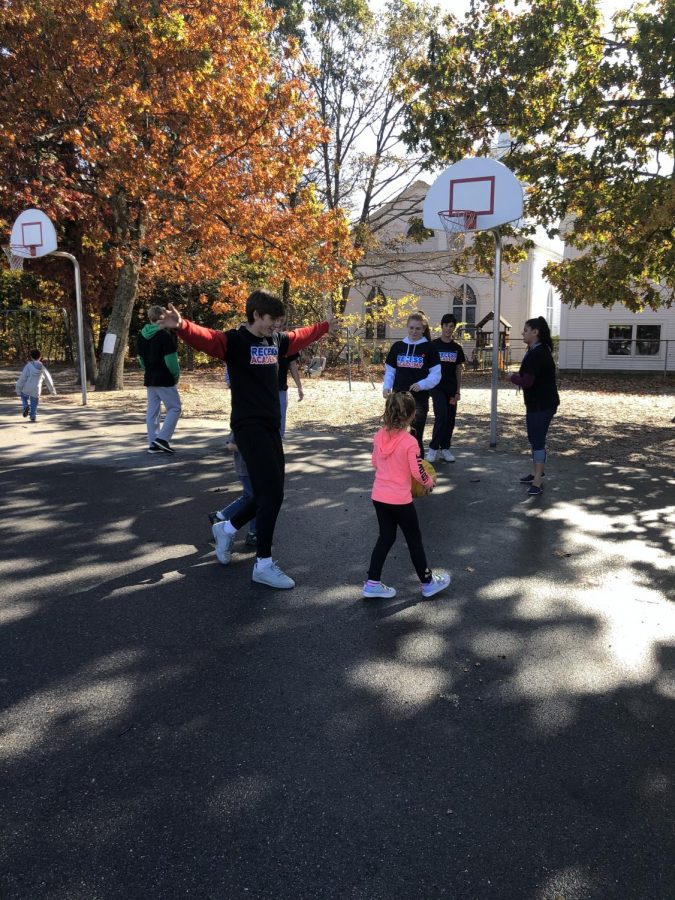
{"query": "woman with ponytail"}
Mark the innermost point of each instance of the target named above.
(537, 379)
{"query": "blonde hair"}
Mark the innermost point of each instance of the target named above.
(399, 410)
(419, 316)
(154, 313)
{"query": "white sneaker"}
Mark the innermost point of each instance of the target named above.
(438, 582)
(272, 576)
(447, 456)
(224, 543)
(377, 590)
(431, 455)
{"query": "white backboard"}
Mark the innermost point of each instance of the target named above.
(479, 184)
(32, 234)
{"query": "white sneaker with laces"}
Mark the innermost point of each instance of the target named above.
(431, 455)
(438, 583)
(377, 590)
(224, 543)
(272, 576)
(447, 456)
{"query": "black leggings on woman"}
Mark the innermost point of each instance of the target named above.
(421, 413)
(389, 517)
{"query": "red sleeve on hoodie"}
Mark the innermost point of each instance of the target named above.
(303, 337)
(205, 339)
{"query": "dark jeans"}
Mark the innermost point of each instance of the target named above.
(263, 453)
(537, 422)
(444, 420)
(421, 413)
(389, 517)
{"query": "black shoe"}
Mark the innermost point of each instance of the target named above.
(214, 517)
(528, 479)
(251, 539)
(163, 445)
(26, 410)
(534, 491)
(153, 449)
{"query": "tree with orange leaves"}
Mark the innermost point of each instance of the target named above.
(170, 132)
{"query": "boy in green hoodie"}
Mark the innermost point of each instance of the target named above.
(156, 351)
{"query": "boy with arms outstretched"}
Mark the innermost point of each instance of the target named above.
(251, 352)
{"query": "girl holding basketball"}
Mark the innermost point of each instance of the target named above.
(413, 364)
(397, 462)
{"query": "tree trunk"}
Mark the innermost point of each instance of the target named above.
(111, 367)
(89, 350)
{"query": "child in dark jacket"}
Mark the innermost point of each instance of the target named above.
(156, 351)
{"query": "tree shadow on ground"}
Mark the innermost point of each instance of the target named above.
(171, 729)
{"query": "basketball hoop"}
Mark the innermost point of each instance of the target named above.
(456, 223)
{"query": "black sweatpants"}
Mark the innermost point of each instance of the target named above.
(263, 453)
(389, 517)
(444, 420)
(421, 413)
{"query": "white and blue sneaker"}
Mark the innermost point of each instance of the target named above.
(272, 576)
(438, 583)
(377, 590)
(224, 543)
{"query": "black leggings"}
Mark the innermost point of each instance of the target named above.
(389, 517)
(263, 453)
(444, 420)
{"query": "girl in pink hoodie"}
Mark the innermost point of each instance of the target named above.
(397, 461)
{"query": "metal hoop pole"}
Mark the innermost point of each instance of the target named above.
(496, 322)
(80, 322)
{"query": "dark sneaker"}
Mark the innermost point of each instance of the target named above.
(153, 449)
(534, 491)
(26, 410)
(214, 518)
(251, 539)
(528, 479)
(163, 445)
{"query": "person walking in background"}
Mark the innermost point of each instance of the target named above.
(413, 365)
(157, 356)
(233, 508)
(29, 384)
(397, 461)
(537, 379)
(446, 395)
(288, 364)
(252, 352)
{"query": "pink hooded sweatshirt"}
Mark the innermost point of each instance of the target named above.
(396, 461)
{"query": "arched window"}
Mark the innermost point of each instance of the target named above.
(376, 326)
(549, 308)
(464, 307)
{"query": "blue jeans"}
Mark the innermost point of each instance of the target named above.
(283, 403)
(537, 421)
(27, 401)
(241, 502)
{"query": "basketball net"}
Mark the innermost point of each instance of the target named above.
(457, 222)
(16, 258)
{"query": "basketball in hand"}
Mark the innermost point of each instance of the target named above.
(417, 489)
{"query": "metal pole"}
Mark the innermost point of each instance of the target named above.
(495, 336)
(80, 321)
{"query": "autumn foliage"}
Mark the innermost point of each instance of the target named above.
(168, 136)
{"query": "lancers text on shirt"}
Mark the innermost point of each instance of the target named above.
(263, 356)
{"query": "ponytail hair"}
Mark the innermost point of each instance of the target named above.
(419, 316)
(541, 326)
(398, 410)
